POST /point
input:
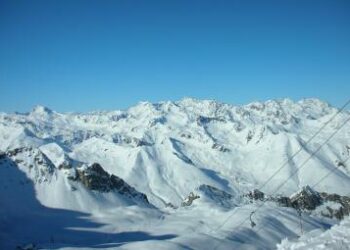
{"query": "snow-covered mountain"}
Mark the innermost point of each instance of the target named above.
(335, 238)
(122, 179)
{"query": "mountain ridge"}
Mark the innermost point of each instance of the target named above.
(185, 101)
(214, 151)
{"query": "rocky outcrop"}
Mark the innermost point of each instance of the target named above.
(35, 161)
(208, 194)
(220, 148)
(66, 164)
(94, 177)
(16, 151)
(282, 201)
(132, 141)
(308, 199)
(255, 195)
(202, 120)
(171, 205)
(340, 212)
(189, 199)
(186, 135)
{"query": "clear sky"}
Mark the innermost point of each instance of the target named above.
(85, 55)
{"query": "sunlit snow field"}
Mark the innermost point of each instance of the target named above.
(167, 150)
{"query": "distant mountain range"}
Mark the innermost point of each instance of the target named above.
(173, 175)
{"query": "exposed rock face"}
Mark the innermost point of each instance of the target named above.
(208, 193)
(189, 199)
(39, 165)
(202, 120)
(249, 136)
(132, 141)
(94, 177)
(343, 210)
(65, 165)
(283, 201)
(307, 199)
(256, 195)
(16, 151)
(169, 204)
(219, 147)
(186, 135)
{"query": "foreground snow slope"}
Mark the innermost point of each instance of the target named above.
(338, 237)
(167, 150)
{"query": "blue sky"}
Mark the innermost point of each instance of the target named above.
(104, 55)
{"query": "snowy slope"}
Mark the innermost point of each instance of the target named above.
(337, 238)
(169, 149)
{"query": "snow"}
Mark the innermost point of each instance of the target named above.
(336, 238)
(54, 152)
(167, 150)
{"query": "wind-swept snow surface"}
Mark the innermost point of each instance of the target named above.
(123, 179)
(338, 238)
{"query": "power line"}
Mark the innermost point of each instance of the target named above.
(308, 141)
(319, 181)
(293, 156)
(312, 155)
(324, 177)
(302, 165)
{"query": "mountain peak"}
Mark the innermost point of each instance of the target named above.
(39, 109)
(195, 101)
(314, 102)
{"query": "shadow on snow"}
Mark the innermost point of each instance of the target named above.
(23, 219)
